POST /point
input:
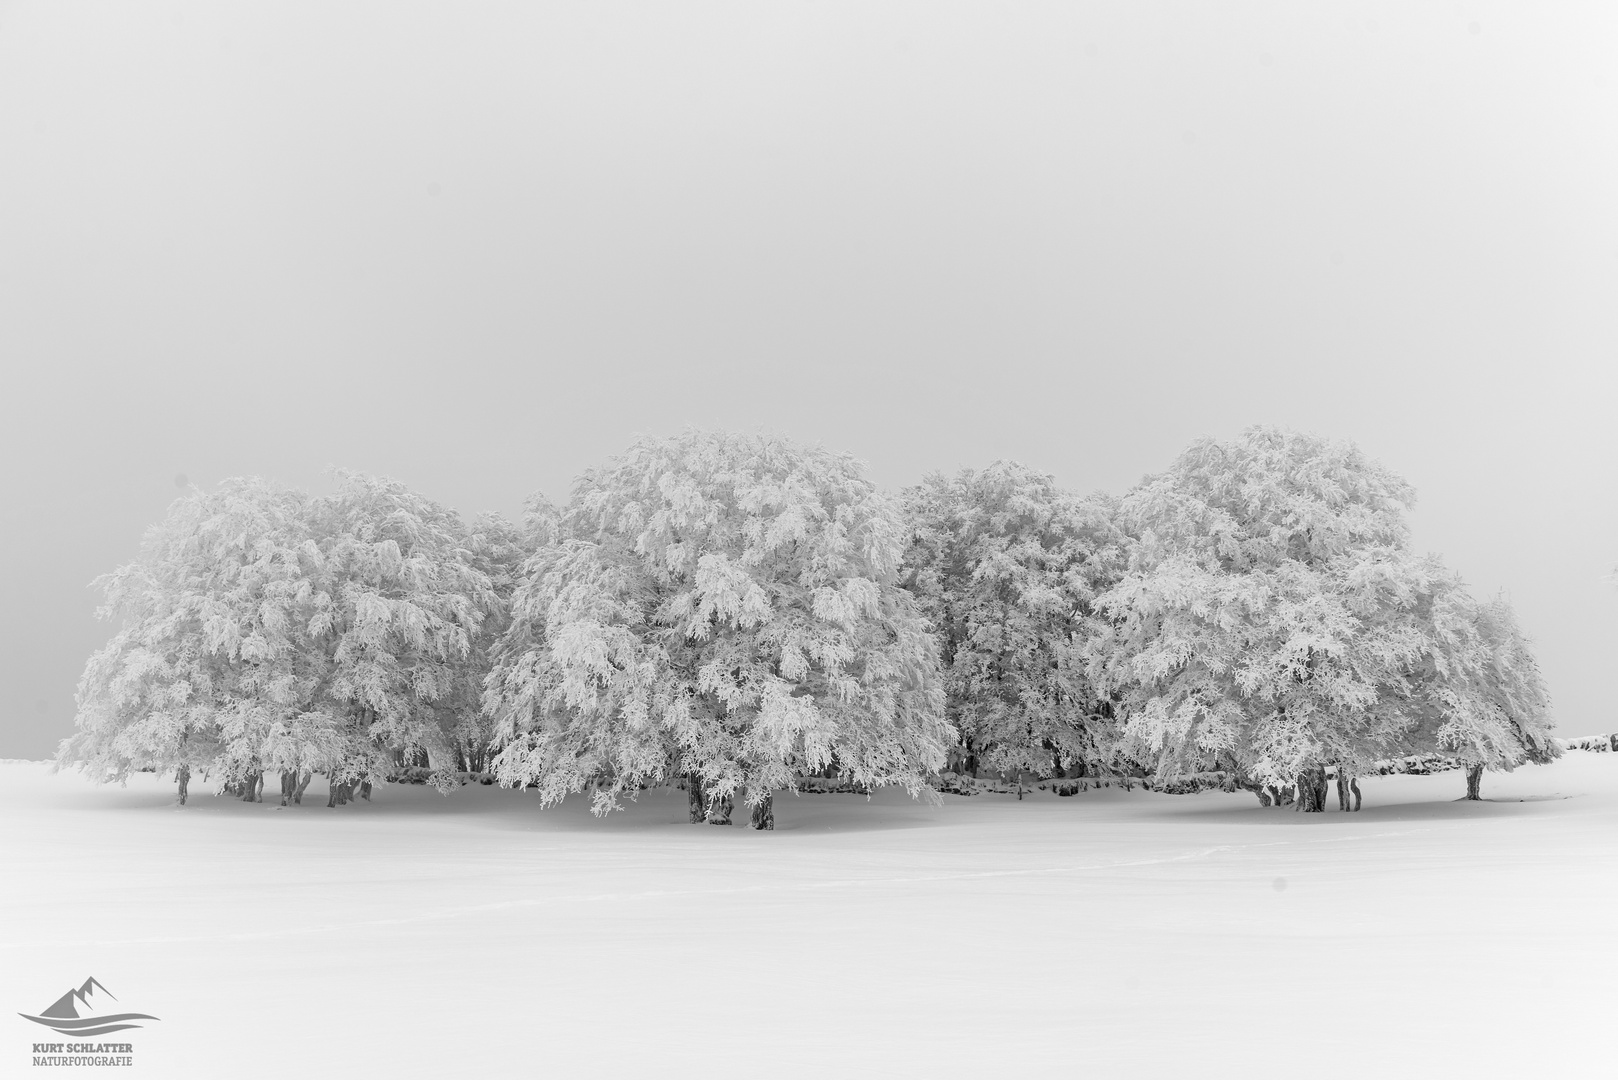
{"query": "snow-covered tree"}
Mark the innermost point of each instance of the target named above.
(1274, 622)
(209, 655)
(1484, 702)
(498, 550)
(395, 616)
(264, 630)
(724, 607)
(1007, 565)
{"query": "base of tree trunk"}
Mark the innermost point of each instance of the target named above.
(253, 787)
(1312, 790)
(293, 785)
(1474, 782)
(182, 776)
(695, 803)
(1347, 784)
(764, 814)
(719, 810)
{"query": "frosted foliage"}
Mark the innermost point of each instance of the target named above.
(1272, 620)
(396, 616)
(264, 630)
(721, 605)
(498, 550)
(1485, 700)
(1271, 495)
(1007, 566)
(208, 655)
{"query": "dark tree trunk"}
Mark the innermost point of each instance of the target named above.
(764, 814)
(1258, 789)
(697, 804)
(302, 786)
(182, 776)
(1474, 782)
(1347, 783)
(365, 790)
(719, 809)
(289, 781)
(1312, 790)
(251, 786)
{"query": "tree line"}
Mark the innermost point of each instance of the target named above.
(736, 613)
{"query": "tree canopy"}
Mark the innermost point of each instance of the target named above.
(724, 607)
(1273, 621)
(262, 629)
(1007, 566)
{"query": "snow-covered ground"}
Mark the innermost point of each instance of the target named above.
(1159, 935)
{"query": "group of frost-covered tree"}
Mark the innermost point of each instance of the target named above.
(736, 613)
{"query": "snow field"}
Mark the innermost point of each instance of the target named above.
(1121, 931)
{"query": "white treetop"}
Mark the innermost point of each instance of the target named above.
(208, 654)
(394, 615)
(725, 606)
(262, 629)
(1274, 620)
(1008, 566)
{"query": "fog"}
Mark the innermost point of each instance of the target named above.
(479, 248)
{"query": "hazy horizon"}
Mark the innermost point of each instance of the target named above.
(478, 250)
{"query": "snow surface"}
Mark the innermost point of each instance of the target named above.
(476, 935)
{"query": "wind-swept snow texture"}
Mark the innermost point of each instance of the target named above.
(477, 935)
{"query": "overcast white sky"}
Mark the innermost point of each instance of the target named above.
(477, 247)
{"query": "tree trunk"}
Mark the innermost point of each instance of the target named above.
(1258, 789)
(302, 786)
(365, 789)
(764, 814)
(182, 776)
(1474, 782)
(251, 786)
(1312, 790)
(1347, 783)
(719, 810)
(697, 805)
(288, 782)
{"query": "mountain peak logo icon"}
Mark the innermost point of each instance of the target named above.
(78, 1014)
